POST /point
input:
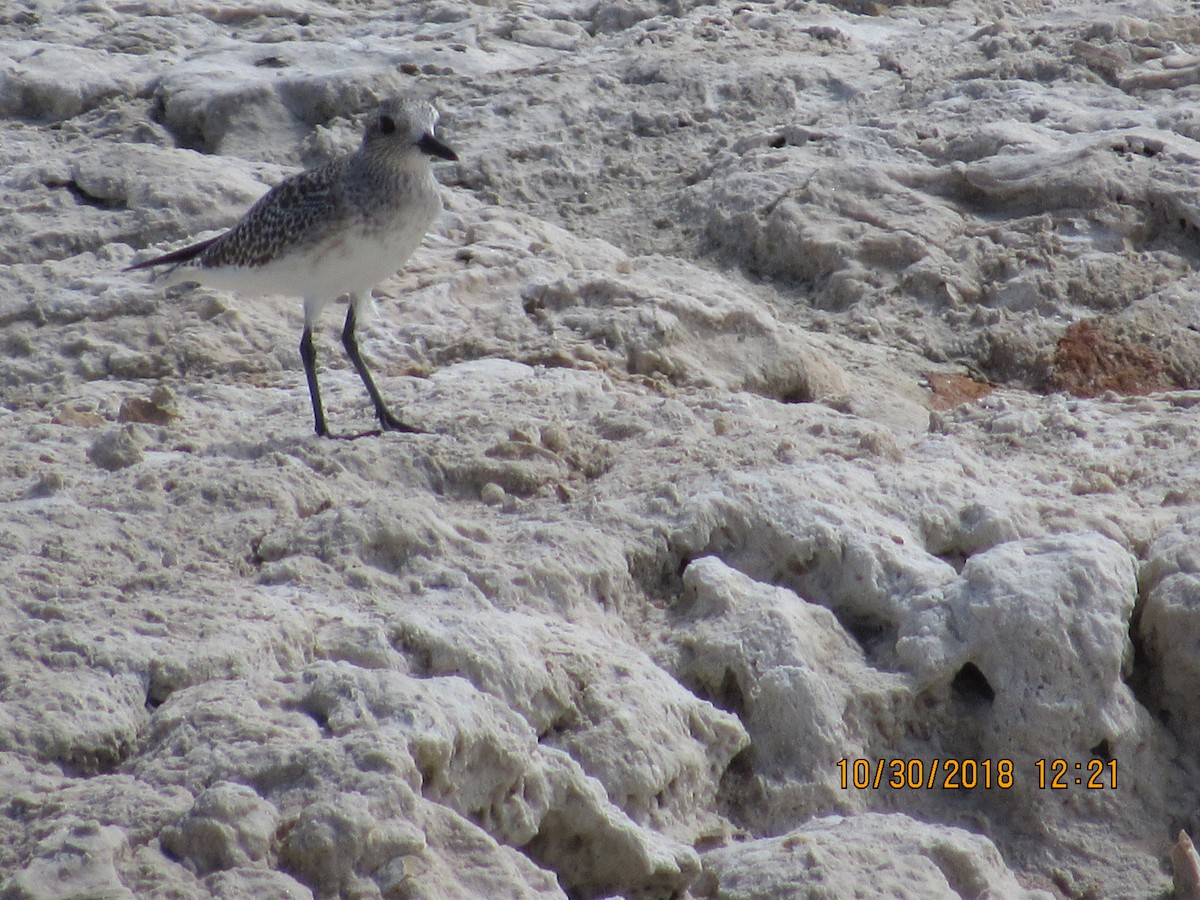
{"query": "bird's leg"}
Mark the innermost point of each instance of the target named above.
(309, 356)
(350, 342)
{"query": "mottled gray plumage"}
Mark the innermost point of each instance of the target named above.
(286, 220)
(338, 229)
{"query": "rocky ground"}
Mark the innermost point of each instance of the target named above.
(806, 387)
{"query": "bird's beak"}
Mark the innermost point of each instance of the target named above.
(431, 146)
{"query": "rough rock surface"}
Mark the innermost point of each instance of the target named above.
(810, 407)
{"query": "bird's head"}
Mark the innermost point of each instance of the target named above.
(405, 127)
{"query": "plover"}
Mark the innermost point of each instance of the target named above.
(336, 230)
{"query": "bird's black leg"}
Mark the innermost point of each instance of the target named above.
(309, 356)
(350, 342)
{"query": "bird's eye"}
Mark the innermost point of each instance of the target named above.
(387, 124)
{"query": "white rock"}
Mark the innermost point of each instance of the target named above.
(269, 884)
(1046, 622)
(842, 556)
(696, 266)
(79, 860)
(869, 854)
(1168, 627)
(789, 670)
(229, 826)
(658, 750)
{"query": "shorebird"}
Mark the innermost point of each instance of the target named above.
(336, 230)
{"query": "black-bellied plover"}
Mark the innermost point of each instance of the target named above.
(336, 230)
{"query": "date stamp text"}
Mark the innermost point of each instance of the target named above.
(973, 774)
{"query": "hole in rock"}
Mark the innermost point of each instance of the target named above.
(1102, 750)
(84, 197)
(796, 394)
(876, 637)
(320, 716)
(743, 763)
(971, 686)
(729, 695)
(778, 142)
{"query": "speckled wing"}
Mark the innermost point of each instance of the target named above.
(290, 216)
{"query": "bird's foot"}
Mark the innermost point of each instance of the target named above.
(388, 422)
(354, 436)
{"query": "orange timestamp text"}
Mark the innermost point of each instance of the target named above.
(972, 774)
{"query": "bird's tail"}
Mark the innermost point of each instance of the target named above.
(175, 257)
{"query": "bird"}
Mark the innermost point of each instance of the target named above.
(335, 230)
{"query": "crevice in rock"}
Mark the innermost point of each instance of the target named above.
(658, 573)
(727, 696)
(954, 558)
(1142, 678)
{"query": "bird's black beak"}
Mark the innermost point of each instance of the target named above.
(431, 146)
